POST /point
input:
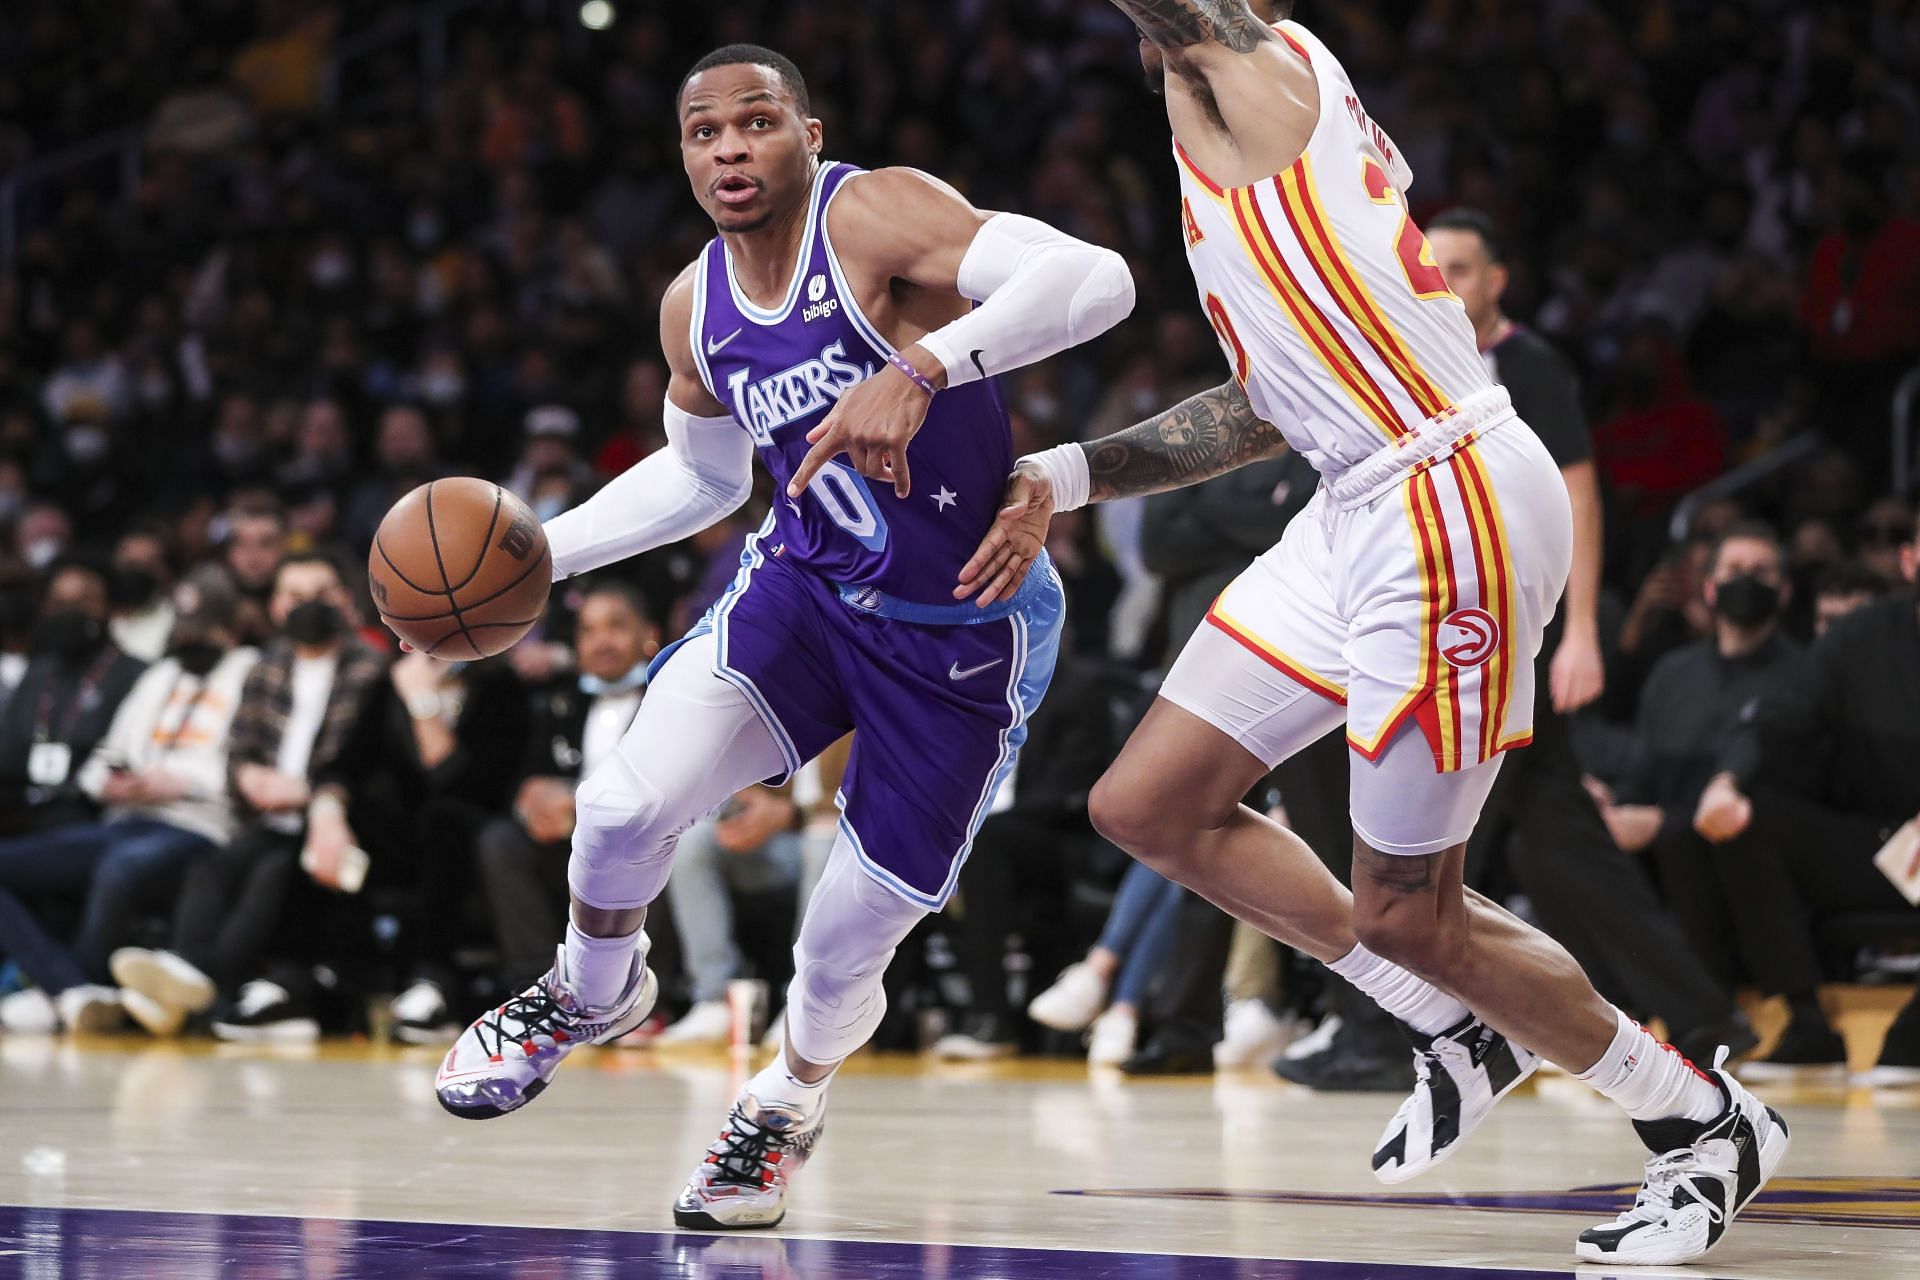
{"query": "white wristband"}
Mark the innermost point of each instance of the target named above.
(1066, 469)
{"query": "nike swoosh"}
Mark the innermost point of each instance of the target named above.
(715, 348)
(974, 355)
(955, 673)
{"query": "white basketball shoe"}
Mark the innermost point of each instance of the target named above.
(505, 1059)
(1458, 1077)
(1698, 1178)
(742, 1182)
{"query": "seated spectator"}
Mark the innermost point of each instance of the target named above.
(577, 721)
(765, 840)
(64, 703)
(1882, 532)
(1812, 790)
(19, 603)
(1841, 588)
(1103, 991)
(254, 543)
(1034, 843)
(404, 455)
(1693, 704)
(161, 776)
(297, 707)
(425, 767)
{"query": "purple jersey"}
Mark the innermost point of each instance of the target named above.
(780, 372)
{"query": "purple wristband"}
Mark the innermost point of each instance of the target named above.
(920, 379)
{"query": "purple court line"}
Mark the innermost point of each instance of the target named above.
(120, 1244)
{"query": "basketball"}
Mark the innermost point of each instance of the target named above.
(460, 569)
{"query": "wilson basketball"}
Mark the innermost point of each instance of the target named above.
(460, 569)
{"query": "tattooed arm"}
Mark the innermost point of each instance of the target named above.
(1199, 438)
(1195, 440)
(1184, 24)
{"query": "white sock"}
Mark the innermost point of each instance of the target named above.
(778, 1086)
(1652, 1080)
(1413, 1000)
(598, 969)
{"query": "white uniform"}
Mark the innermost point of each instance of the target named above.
(1417, 582)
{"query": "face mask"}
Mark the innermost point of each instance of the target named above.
(132, 588)
(197, 657)
(314, 622)
(442, 387)
(87, 444)
(548, 508)
(68, 633)
(235, 452)
(330, 269)
(1746, 601)
(594, 687)
(41, 552)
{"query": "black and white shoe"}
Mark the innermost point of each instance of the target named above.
(1698, 1178)
(421, 1016)
(267, 1013)
(1458, 1077)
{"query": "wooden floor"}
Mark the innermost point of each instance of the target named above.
(1031, 1169)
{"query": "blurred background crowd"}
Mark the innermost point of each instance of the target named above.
(266, 265)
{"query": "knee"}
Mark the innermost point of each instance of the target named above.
(1409, 933)
(620, 817)
(1131, 816)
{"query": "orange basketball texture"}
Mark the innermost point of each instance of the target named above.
(460, 569)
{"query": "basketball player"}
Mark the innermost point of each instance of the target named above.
(1407, 602)
(835, 313)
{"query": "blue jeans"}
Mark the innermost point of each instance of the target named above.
(1140, 929)
(699, 894)
(114, 867)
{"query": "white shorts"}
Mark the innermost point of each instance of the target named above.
(1414, 587)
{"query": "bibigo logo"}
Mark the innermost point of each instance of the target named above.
(817, 309)
(1468, 637)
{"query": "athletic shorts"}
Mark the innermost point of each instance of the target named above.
(938, 712)
(1411, 594)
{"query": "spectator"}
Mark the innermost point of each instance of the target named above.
(1101, 994)
(1814, 786)
(19, 603)
(42, 535)
(424, 768)
(64, 703)
(1883, 532)
(1690, 712)
(160, 776)
(297, 707)
(1842, 588)
(140, 592)
(405, 458)
(577, 721)
(255, 543)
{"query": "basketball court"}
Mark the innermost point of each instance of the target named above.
(119, 1158)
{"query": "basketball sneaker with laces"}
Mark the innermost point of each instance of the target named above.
(1698, 1178)
(1458, 1077)
(505, 1059)
(742, 1182)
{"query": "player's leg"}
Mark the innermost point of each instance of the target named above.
(1714, 1144)
(851, 927)
(696, 740)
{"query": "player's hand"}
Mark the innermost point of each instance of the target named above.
(1018, 535)
(873, 424)
(1724, 812)
(762, 815)
(1577, 675)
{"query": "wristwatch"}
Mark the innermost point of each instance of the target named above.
(426, 706)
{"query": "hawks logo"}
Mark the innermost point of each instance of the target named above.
(1468, 637)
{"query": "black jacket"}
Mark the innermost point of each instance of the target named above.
(58, 702)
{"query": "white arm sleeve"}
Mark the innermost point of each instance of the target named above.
(704, 474)
(1040, 292)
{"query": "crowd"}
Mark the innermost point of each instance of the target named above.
(226, 802)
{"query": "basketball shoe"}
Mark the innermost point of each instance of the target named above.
(1458, 1077)
(742, 1183)
(1698, 1178)
(505, 1059)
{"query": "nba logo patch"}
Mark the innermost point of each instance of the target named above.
(1468, 637)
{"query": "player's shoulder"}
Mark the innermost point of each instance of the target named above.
(884, 193)
(676, 304)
